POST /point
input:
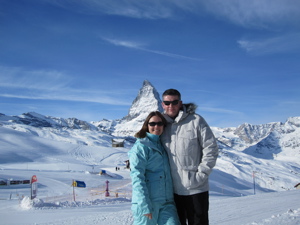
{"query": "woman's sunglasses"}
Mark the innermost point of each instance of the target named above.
(152, 124)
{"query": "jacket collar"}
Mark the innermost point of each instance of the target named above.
(153, 137)
(152, 141)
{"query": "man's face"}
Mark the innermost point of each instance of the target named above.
(170, 106)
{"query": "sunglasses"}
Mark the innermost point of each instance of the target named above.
(175, 102)
(152, 124)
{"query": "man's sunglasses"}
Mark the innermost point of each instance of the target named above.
(152, 124)
(175, 102)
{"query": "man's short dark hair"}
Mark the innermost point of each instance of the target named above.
(173, 92)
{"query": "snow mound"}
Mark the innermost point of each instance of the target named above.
(26, 203)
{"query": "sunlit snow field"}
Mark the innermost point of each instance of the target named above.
(56, 164)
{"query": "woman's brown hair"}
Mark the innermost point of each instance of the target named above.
(144, 129)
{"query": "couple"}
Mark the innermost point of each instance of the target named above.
(170, 164)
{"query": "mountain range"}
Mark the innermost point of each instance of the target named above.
(247, 151)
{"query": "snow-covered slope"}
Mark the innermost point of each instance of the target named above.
(244, 151)
(260, 164)
(267, 154)
(56, 163)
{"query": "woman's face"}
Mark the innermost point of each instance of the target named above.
(155, 125)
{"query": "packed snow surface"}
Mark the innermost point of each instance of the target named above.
(234, 198)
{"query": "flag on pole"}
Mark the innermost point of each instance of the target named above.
(33, 186)
(77, 183)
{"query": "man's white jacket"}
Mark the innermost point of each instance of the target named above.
(192, 149)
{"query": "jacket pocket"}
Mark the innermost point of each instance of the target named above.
(154, 182)
(193, 179)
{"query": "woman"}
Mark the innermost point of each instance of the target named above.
(152, 188)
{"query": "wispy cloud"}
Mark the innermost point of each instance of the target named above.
(254, 13)
(281, 44)
(14, 77)
(128, 44)
(155, 9)
(50, 85)
(72, 97)
(139, 46)
(220, 110)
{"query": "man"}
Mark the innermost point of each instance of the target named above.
(193, 151)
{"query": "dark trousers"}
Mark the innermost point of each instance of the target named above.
(192, 209)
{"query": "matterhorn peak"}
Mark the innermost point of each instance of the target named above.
(146, 101)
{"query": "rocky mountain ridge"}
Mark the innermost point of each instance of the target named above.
(244, 150)
(253, 139)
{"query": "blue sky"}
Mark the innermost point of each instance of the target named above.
(237, 60)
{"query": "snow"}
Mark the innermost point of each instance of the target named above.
(56, 163)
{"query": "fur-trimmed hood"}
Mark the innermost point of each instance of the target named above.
(189, 108)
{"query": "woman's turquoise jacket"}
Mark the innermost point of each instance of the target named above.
(150, 173)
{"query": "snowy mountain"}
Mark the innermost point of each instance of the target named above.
(147, 100)
(244, 151)
(57, 129)
(253, 160)
(263, 141)
(37, 120)
(270, 153)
